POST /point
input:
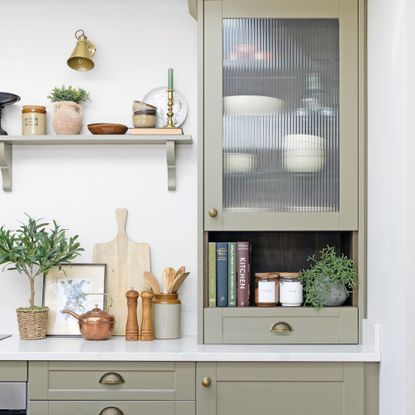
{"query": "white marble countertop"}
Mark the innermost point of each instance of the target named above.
(185, 349)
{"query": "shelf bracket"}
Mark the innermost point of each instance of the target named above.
(6, 165)
(171, 164)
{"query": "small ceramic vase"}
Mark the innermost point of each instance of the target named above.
(68, 118)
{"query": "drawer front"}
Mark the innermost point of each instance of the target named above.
(13, 371)
(282, 326)
(112, 381)
(112, 408)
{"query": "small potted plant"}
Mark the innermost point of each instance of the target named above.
(68, 116)
(329, 280)
(33, 250)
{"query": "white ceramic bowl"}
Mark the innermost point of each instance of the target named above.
(239, 162)
(251, 105)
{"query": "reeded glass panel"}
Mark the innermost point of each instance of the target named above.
(281, 115)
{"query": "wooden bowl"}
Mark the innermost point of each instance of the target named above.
(107, 128)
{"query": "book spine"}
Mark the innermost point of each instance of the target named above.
(222, 273)
(212, 274)
(243, 274)
(232, 274)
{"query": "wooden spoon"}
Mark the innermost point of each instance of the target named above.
(152, 282)
(177, 283)
(168, 278)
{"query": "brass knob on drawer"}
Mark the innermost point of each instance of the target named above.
(111, 378)
(281, 328)
(111, 410)
(213, 213)
(206, 382)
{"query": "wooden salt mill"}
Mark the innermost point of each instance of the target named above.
(131, 328)
(147, 328)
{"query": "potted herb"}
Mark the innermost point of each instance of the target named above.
(328, 280)
(68, 118)
(34, 249)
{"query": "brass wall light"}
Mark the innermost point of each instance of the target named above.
(81, 58)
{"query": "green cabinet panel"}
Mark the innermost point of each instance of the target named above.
(140, 381)
(120, 408)
(254, 325)
(286, 388)
(13, 371)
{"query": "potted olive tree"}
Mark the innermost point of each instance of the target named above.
(329, 279)
(33, 250)
(68, 116)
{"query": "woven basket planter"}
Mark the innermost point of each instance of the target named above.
(33, 324)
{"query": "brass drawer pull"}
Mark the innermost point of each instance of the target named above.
(213, 213)
(111, 410)
(206, 382)
(281, 328)
(111, 378)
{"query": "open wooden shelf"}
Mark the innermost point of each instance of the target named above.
(170, 141)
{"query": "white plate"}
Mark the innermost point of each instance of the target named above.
(158, 98)
(251, 105)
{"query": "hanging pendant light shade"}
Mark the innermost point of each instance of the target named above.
(81, 58)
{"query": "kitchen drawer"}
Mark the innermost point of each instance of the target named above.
(104, 408)
(152, 381)
(13, 371)
(253, 325)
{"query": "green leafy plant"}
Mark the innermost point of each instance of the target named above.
(324, 273)
(35, 248)
(72, 94)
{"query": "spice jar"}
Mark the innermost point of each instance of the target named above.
(266, 289)
(291, 289)
(166, 316)
(33, 120)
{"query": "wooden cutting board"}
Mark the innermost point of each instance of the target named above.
(126, 262)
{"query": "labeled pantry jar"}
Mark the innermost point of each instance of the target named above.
(33, 120)
(266, 289)
(166, 316)
(291, 289)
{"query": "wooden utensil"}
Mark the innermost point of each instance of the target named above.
(131, 328)
(152, 282)
(177, 283)
(126, 262)
(167, 278)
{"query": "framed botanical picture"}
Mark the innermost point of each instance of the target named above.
(75, 287)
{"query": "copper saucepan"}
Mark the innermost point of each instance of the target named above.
(95, 324)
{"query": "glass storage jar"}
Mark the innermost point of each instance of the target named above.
(33, 120)
(266, 289)
(291, 289)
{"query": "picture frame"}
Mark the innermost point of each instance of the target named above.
(77, 287)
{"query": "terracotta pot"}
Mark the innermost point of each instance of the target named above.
(68, 118)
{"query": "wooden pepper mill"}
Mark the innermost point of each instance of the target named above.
(131, 328)
(147, 328)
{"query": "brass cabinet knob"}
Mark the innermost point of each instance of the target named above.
(111, 410)
(111, 378)
(206, 382)
(213, 213)
(281, 328)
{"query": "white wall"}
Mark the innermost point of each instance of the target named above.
(81, 187)
(391, 232)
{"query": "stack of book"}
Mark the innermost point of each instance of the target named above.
(229, 274)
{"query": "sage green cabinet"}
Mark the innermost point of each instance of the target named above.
(13, 371)
(281, 115)
(286, 388)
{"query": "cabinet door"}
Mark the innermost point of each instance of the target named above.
(280, 388)
(281, 114)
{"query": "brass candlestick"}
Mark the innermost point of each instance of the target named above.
(170, 93)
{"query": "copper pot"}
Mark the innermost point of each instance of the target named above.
(95, 324)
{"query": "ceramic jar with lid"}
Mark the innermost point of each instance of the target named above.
(33, 120)
(266, 289)
(291, 289)
(166, 316)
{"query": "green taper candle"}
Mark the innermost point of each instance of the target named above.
(171, 78)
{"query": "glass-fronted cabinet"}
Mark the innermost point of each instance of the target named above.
(281, 115)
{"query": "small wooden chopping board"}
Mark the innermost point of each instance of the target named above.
(126, 263)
